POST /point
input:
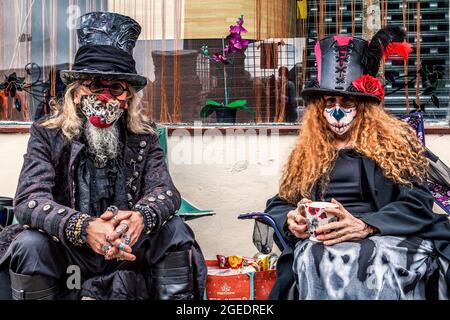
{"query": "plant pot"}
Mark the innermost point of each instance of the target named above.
(225, 115)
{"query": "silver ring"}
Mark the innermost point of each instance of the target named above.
(122, 246)
(113, 209)
(122, 228)
(106, 248)
(127, 239)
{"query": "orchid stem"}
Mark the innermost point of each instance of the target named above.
(232, 74)
(225, 73)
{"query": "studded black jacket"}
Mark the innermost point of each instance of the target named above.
(46, 192)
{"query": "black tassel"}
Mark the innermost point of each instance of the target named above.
(378, 45)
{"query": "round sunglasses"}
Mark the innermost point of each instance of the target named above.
(116, 89)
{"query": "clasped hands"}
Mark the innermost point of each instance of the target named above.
(347, 228)
(114, 233)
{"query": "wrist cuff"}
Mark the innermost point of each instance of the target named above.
(149, 215)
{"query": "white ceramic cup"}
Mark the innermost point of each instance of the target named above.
(316, 216)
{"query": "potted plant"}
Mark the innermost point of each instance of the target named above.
(226, 109)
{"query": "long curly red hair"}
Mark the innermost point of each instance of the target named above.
(390, 142)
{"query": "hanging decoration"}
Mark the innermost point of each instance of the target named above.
(280, 86)
(353, 9)
(418, 62)
(176, 115)
(164, 115)
(14, 86)
(338, 16)
(405, 62)
(302, 9)
(258, 85)
(321, 22)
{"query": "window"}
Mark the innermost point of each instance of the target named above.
(38, 39)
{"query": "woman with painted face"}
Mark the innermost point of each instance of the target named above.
(372, 168)
(94, 196)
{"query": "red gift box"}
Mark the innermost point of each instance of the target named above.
(246, 286)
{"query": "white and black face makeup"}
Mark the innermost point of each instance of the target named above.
(103, 103)
(340, 112)
(101, 111)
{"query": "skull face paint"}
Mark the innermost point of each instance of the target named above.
(340, 112)
(102, 110)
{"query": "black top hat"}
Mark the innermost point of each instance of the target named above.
(349, 65)
(106, 42)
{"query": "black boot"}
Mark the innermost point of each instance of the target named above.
(35, 287)
(172, 278)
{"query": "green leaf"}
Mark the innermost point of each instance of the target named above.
(237, 104)
(247, 109)
(206, 111)
(213, 103)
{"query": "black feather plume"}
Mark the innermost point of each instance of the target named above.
(378, 45)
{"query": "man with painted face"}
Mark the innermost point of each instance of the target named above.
(352, 153)
(94, 195)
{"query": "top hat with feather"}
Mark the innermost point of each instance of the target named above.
(348, 66)
(106, 42)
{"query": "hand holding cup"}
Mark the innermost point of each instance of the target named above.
(296, 220)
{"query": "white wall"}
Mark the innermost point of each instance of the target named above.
(241, 184)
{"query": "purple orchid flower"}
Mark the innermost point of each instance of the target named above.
(218, 57)
(238, 28)
(229, 49)
(235, 42)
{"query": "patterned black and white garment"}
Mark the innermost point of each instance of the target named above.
(379, 267)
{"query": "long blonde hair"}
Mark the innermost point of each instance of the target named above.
(66, 117)
(390, 142)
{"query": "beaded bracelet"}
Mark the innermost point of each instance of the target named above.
(149, 217)
(76, 228)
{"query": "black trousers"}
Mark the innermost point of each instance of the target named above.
(34, 253)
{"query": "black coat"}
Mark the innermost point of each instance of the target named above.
(400, 211)
(45, 197)
(46, 193)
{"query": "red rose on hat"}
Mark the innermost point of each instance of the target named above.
(370, 85)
